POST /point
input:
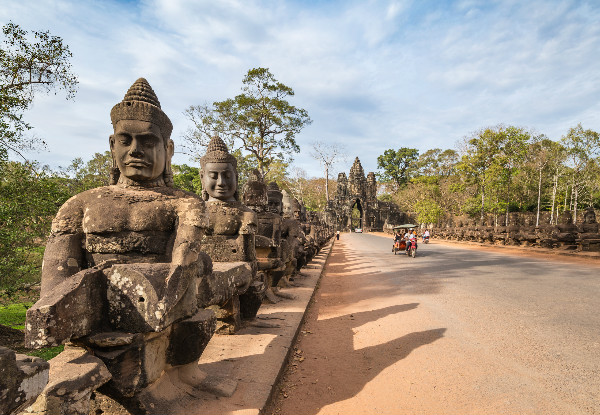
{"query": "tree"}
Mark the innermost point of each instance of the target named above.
(29, 64)
(327, 154)
(29, 198)
(397, 165)
(581, 147)
(513, 146)
(89, 175)
(187, 178)
(260, 121)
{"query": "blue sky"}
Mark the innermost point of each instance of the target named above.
(372, 74)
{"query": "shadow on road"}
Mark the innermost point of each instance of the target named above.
(342, 372)
(327, 366)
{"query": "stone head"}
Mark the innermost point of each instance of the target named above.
(589, 216)
(141, 146)
(291, 207)
(565, 218)
(218, 173)
(255, 192)
(275, 199)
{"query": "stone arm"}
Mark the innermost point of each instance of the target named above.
(188, 263)
(64, 255)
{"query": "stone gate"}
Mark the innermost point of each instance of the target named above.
(359, 191)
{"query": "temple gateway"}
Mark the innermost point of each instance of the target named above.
(356, 206)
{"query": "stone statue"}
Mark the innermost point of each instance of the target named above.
(589, 238)
(123, 264)
(266, 202)
(231, 234)
(291, 231)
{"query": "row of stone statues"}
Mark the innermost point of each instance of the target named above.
(521, 230)
(138, 275)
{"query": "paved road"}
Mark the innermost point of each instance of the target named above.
(454, 331)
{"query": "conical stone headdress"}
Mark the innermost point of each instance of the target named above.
(273, 191)
(255, 190)
(217, 152)
(140, 103)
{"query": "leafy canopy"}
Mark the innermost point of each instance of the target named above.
(259, 121)
(398, 165)
(29, 63)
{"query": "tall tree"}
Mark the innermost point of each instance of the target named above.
(30, 63)
(513, 145)
(481, 151)
(581, 147)
(327, 154)
(398, 165)
(260, 120)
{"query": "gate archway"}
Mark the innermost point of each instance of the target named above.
(357, 215)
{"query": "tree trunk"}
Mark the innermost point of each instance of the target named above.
(507, 200)
(576, 188)
(554, 188)
(537, 219)
(327, 183)
(482, 202)
(572, 189)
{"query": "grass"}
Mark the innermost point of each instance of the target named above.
(13, 315)
(47, 353)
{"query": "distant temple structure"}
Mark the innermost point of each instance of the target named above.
(360, 192)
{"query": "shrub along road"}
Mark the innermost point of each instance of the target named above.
(456, 330)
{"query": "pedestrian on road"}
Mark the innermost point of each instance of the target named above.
(337, 235)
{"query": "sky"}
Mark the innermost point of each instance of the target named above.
(371, 74)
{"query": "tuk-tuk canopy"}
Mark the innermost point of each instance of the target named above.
(406, 226)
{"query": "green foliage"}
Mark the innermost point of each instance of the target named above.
(428, 211)
(29, 199)
(29, 63)
(88, 175)
(187, 178)
(259, 121)
(47, 353)
(398, 166)
(13, 315)
(385, 197)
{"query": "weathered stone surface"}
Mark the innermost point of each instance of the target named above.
(74, 375)
(51, 321)
(22, 379)
(146, 237)
(135, 296)
(359, 191)
(231, 235)
(190, 337)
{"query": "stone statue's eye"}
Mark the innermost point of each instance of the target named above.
(213, 175)
(124, 140)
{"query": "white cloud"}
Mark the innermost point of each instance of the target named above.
(373, 74)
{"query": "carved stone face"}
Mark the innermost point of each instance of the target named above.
(589, 216)
(275, 205)
(138, 149)
(219, 181)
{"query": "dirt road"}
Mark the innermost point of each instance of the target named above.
(453, 331)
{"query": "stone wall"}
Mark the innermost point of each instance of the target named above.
(521, 230)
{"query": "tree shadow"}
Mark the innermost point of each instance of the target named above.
(342, 372)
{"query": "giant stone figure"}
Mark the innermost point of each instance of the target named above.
(230, 236)
(122, 268)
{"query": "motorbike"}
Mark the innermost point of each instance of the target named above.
(426, 239)
(412, 249)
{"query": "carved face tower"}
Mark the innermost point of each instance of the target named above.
(141, 146)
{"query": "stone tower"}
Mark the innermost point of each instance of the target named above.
(360, 192)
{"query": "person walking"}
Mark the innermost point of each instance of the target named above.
(337, 235)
